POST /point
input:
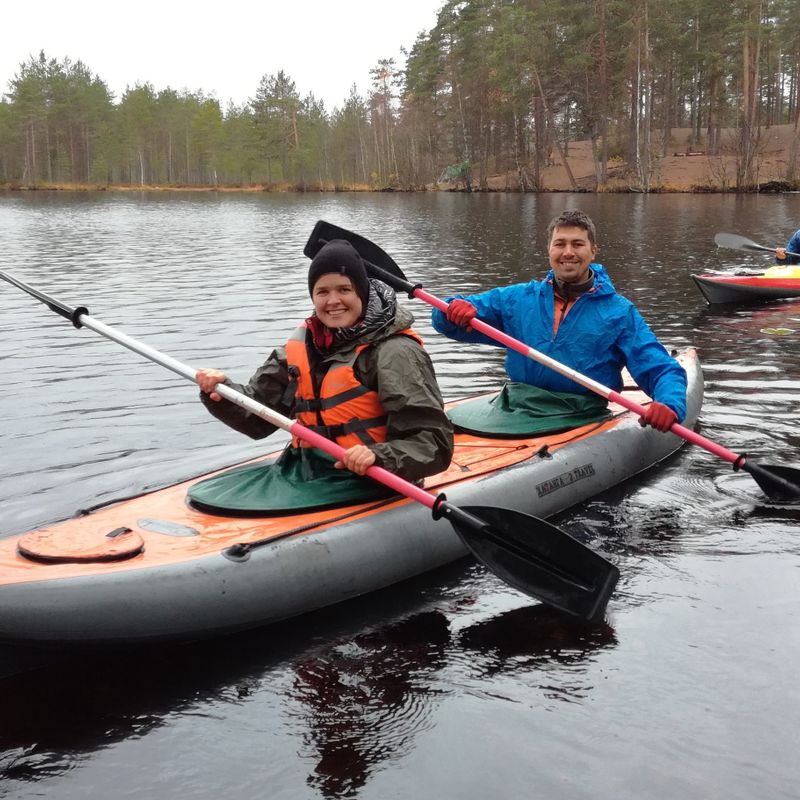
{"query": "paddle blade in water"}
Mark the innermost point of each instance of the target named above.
(537, 558)
(777, 483)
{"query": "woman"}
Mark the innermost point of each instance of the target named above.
(354, 371)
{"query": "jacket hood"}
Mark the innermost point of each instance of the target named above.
(394, 316)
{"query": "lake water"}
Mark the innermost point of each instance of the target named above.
(452, 685)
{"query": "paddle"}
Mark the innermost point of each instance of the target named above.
(777, 482)
(528, 553)
(734, 242)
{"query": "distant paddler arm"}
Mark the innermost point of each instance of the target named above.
(735, 242)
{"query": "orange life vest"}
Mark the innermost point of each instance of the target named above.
(344, 409)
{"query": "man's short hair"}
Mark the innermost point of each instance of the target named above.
(572, 219)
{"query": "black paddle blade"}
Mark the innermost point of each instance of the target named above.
(68, 312)
(736, 242)
(536, 557)
(324, 232)
(777, 483)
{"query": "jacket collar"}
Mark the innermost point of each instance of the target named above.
(602, 283)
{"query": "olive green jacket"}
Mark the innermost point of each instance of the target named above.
(419, 440)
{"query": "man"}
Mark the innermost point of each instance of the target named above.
(575, 316)
(781, 256)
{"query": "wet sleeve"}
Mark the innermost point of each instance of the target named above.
(651, 366)
(794, 247)
(419, 435)
(268, 386)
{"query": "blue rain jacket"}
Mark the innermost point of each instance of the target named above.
(794, 247)
(602, 333)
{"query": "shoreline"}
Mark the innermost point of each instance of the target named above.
(678, 169)
(767, 187)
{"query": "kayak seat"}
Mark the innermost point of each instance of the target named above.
(521, 410)
(301, 479)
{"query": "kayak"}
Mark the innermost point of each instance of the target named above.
(745, 288)
(155, 568)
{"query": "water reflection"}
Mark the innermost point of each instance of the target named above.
(788, 513)
(56, 716)
(626, 524)
(354, 682)
(534, 638)
(364, 700)
(221, 280)
(772, 319)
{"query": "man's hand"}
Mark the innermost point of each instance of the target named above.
(461, 312)
(659, 416)
(780, 252)
(359, 458)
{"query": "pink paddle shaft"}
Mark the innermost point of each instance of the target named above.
(377, 473)
(582, 380)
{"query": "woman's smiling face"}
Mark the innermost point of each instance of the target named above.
(336, 301)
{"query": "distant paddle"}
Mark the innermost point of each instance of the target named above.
(524, 551)
(777, 482)
(735, 242)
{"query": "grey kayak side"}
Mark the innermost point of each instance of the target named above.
(213, 595)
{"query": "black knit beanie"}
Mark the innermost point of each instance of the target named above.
(341, 257)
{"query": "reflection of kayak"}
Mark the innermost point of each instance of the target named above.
(746, 288)
(153, 567)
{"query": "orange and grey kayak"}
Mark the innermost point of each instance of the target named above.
(156, 568)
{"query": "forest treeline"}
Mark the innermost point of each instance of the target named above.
(497, 86)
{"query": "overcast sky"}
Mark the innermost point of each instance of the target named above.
(223, 47)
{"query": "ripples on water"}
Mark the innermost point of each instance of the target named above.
(452, 685)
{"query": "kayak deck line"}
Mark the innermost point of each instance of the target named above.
(543, 451)
(151, 514)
